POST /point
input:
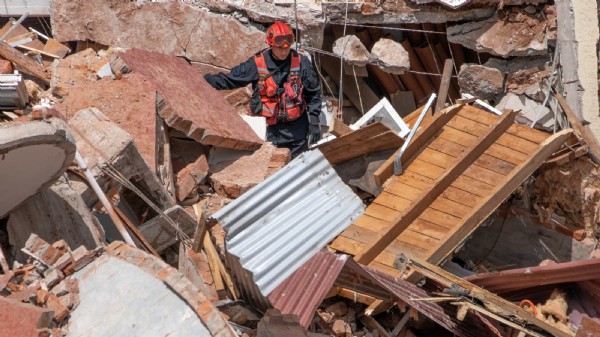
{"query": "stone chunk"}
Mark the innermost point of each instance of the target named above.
(204, 116)
(352, 50)
(390, 56)
(246, 172)
(508, 34)
(480, 81)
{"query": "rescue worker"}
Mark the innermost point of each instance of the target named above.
(286, 90)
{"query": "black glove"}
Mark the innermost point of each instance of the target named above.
(314, 134)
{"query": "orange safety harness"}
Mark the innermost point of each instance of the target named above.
(279, 107)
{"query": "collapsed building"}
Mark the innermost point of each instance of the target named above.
(454, 195)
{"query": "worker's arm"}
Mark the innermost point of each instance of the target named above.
(238, 77)
(312, 90)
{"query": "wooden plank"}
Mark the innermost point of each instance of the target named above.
(443, 93)
(338, 128)
(472, 186)
(440, 218)
(24, 63)
(450, 207)
(500, 192)
(346, 245)
(461, 196)
(429, 228)
(381, 212)
(583, 132)
(422, 137)
(484, 175)
(427, 169)
(372, 138)
(401, 222)
(490, 302)
(487, 161)
(200, 209)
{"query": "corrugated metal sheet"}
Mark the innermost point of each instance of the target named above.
(302, 292)
(278, 225)
(305, 289)
(20, 7)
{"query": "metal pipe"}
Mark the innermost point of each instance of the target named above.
(14, 26)
(107, 205)
(397, 162)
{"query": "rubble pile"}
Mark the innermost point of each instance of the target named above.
(454, 192)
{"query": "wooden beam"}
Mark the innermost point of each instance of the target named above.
(443, 93)
(217, 267)
(338, 128)
(373, 325)
(583, 132)
(200, 209)
(491, 302)
(501, 192)
(403, 220)
(24, 63)
(421, 138)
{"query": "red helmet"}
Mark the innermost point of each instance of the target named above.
(280, 35)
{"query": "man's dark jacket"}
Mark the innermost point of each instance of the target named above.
(247, 72)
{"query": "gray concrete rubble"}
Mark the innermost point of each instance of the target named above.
(162, 233)
(484, 82)
(34, 156)
(496, 35)
(390, 56)
(102, 142)
(352, 50)
(56, 213)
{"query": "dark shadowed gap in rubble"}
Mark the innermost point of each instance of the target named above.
(428, 48)
(4, 243)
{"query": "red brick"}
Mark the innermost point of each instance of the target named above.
(22, 319)
(60, 311)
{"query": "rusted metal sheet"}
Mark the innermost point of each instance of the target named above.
(306, 288)
(189, 104)
(522, 278)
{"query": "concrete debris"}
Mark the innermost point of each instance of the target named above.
(352, 50)
(230, 237)
(34, 156)
(486, 83)
(390, 56)
(246, 172)
(174, 29)
(512, 32)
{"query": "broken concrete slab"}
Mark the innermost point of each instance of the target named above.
(530, 110)
(173, 28)
(513, 32)
(81, 67)
(120, 298)
(54, 214)
(179, 287)
(160, 234)
(352, 50)
(390, 56)
(483, 82)
(129, 102)
(205, 115)
(247, 171)
(101, 141)
(34, 156)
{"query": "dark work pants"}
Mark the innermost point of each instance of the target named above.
(296, 147)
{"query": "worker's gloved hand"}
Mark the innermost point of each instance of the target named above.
(314, 134)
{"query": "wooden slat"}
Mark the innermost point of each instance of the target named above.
(439, 218)
(487, 161)
(24, 63)
(372, 138)
(498, 194)
(338, 128)
(381, 212)
(429, 229)
(491, 302)
(461, 196)
(443, 93)
(409, 215)
(421, 138)
(484, 175)
(427, 169)
(472, 186)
